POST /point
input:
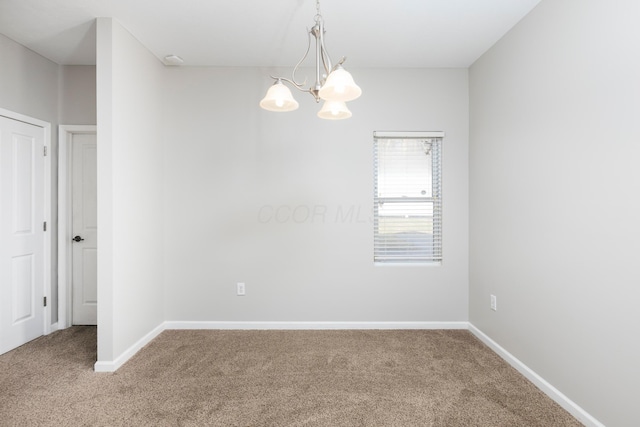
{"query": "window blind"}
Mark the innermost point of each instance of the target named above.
(407, 197)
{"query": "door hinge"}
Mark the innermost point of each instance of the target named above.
(45, 151)
(45, 301)
(44, 226)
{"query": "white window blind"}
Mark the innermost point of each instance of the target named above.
(407, 197)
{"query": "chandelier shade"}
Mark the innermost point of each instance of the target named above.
(334, 110)
(340, 86)
(279, 98)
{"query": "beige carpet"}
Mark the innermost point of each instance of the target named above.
(272, 378)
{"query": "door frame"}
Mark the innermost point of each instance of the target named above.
(46, 126)
(65, 211)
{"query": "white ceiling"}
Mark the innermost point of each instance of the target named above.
(371, 33)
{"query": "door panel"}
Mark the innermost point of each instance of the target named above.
(22, 288)
(22, 175)
(84, 224)
(21, 233)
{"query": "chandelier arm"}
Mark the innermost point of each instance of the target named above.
(344, 58)
(293, 73)
(299, 86)
(317, 32)
(321, 54)
(326, 60)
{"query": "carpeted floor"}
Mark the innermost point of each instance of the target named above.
(272, 378)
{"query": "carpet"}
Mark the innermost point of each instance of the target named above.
(272, 378)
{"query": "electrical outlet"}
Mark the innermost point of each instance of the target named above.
(494, 303)
(240, 289)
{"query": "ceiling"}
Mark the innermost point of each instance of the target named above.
(269, 33)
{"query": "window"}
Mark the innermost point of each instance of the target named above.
(407, 201)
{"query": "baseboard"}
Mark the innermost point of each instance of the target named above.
(553, 393)
(112, 366)
(223, 325)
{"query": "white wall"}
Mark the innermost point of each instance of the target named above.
(229, 167)
(28, 82)
(554, 201)
(78, 95)
(130, 214)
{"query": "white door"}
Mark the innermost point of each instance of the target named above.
(84, 229)
(21, 233)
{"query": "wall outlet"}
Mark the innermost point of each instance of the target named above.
(240, 289)
(494, 303)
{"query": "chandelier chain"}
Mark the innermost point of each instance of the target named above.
(318, 16)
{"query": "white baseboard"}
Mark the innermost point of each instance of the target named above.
(312, 325)
(112, 366)
(555, 394)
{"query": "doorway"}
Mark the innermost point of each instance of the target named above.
(25, 207)
(77, 226)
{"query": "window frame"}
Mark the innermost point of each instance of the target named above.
(434, 257)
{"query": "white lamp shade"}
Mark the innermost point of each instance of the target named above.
(334, 110)
(340, 87)
(279, 98)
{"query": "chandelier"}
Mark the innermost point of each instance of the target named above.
(334, 85)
